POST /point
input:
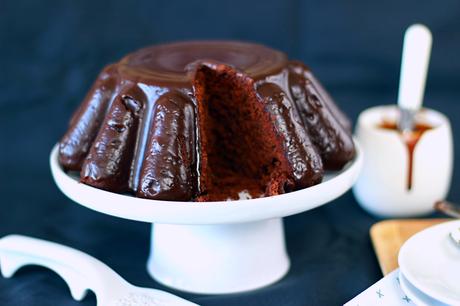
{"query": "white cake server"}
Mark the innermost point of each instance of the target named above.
(81, 273)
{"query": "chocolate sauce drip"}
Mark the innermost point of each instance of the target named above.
(410, 140)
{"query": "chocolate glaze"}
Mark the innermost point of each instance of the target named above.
(306, 164)
(326, 97)
(169, 166)
(110, 159)
(165, 64)
(333, 141)
(85, 123)
(136, 129)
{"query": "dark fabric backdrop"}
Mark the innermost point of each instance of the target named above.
(51, 51)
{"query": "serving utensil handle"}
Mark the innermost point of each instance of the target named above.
(79, 270)
(414, 67)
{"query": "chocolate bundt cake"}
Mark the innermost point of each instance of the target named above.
(206, 121)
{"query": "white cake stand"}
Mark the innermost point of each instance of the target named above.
(213, 247)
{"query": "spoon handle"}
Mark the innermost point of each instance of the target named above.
(448, 208)
(80, 271)
(414, 67)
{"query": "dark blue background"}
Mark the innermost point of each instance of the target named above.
(51, 51)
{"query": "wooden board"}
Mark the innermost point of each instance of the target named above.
(388, 236)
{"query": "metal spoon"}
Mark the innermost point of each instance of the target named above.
(414, 68)
(81, 273)
(448, 208)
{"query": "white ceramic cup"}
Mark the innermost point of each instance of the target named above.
(382, 188)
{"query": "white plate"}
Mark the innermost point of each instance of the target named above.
(430, 261)
(418, 297)
(171, 212)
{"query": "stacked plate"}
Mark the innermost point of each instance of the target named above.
(430, 266)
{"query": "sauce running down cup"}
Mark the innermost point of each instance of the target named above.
(404, 174)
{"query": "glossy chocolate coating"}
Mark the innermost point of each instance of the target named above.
(108, 164)
(333, 141)
(168, 169)
(136, 129)
(85, 124)
(338, 114)
(166, 64)
(306, 164)
(299, 68)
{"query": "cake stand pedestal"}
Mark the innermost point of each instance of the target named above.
(213, 247)
(218, 258)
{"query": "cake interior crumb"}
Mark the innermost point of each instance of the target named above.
(240, 150)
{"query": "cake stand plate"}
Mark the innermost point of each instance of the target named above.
(213, 247)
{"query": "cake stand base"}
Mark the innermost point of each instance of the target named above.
(217, 259)
(213, 247)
